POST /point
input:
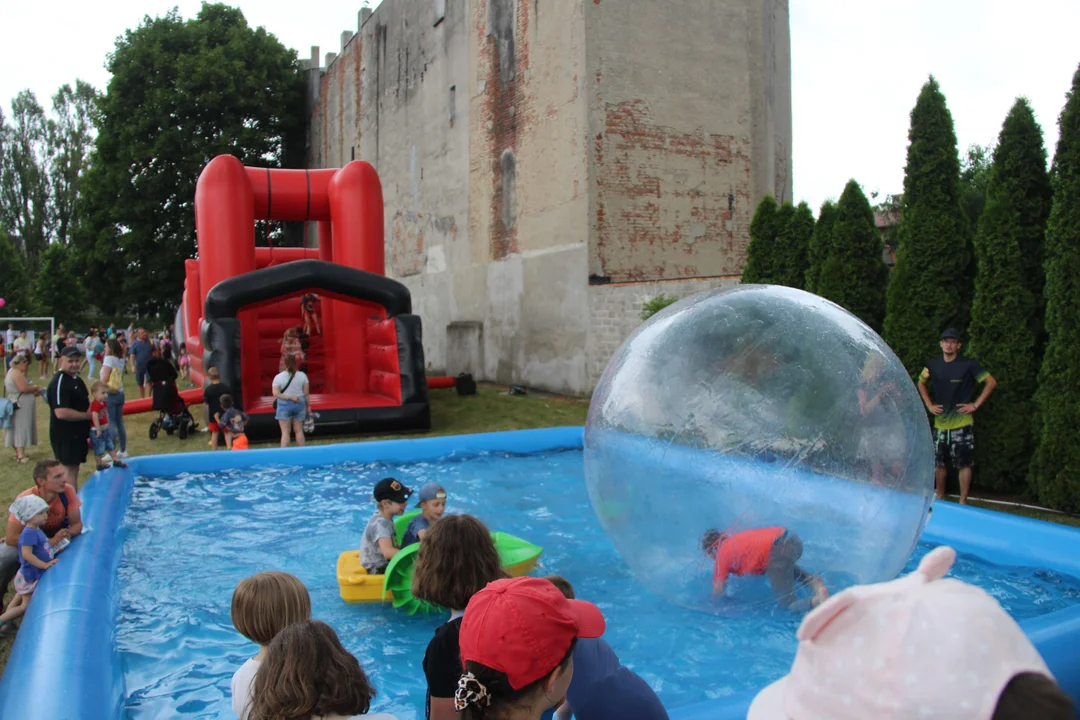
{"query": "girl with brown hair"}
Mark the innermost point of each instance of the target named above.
(262, 606)
(308, 675)
(456, 560)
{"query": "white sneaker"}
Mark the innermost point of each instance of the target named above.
(123, 455)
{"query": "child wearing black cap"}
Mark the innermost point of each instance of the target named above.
(379, 543)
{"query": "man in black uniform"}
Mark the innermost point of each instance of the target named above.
(952, 381)
(69, 419)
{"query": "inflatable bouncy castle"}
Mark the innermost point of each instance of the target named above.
(366, 364)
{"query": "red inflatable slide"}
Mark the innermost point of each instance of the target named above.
(366, 365)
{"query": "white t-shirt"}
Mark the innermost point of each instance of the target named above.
(115, 363)
(296, 387)
(243, 680)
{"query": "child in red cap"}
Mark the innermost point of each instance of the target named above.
(771, 551)
(517, 642)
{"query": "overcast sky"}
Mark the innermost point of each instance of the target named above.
(857, 66)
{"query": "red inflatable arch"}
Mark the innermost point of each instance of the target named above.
(360, 347)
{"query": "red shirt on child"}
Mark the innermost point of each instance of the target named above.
(101, 410)
(745, 553)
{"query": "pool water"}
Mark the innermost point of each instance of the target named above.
(191, 538)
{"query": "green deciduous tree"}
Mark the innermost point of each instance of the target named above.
(14, 281)
(1007, 314)
(181, 93)
(71, 139)
(24, 179)
(794, 245)
(761, 253)
(56, 288)
(819, 244)
(853, 272)
(927, 291)
(1055, 469)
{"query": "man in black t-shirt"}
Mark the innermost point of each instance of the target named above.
(952, 380)
(69, 419)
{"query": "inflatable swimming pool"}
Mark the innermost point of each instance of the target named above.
(69, 631)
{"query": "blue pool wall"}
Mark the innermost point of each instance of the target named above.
(66, 660)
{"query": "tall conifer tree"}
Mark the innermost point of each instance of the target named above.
(1006, 333)
(853, 272)
(927, 290)
(794, 245)
(819, 244)
(761, 253)
(1055, 469)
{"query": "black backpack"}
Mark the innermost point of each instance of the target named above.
(465, 384)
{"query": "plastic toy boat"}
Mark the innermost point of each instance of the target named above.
(517, 556)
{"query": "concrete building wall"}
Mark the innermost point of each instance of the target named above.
(415, 123)
(548, 167)
(527, 188)
(683, 133)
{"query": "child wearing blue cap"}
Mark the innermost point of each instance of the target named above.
(432, 504)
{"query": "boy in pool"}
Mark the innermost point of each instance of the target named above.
(379, 544)
(772, 552)
(432, 504)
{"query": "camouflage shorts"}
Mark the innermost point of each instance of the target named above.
(955, 447)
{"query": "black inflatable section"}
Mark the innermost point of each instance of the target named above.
(220, 333)
(227, 297)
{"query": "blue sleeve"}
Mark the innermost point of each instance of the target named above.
(594, 660)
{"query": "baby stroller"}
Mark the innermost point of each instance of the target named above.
(173, 415)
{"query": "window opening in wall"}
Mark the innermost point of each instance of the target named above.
(440, 11)
(453, 103)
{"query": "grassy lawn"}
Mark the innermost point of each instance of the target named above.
(490, 410)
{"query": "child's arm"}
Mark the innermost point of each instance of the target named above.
(720, 576)
(386, 547)
(30, 557)
(96, 417)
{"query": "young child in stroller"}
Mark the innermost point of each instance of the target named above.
(173, 414)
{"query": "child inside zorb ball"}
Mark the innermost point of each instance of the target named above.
(771, 551)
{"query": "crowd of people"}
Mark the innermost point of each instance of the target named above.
(86, 414)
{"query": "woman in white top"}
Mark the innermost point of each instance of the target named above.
(291, 393)
(113, 364)
(306, 673)
(17, 389)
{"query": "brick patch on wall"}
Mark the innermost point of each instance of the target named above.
(664, 195)
(615, 311)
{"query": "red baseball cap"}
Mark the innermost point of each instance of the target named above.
(523, 627)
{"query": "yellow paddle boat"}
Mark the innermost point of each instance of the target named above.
(518, 557)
